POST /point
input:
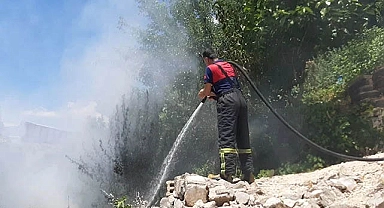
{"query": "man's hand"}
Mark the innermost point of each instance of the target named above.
(201, 94)
(212, 96)
(206, 91)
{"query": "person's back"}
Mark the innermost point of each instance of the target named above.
(221, 83)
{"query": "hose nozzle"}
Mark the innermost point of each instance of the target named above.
(204, 99)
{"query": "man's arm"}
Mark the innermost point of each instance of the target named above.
(206, 91)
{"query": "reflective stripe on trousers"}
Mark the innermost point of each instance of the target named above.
(234, 142)
(226, 151)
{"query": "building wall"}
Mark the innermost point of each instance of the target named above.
(43, 134)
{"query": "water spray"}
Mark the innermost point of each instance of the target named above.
(168, 160)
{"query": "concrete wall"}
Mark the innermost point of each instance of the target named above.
(43, 134)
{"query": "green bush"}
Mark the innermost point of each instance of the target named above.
(121, 203)
(205, 169)
(266, 173)
(309, 164)
(328, 75)
(332, 121)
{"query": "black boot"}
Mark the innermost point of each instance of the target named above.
(249, 177)
(227, 177)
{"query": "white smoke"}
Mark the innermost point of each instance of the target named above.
(96, 70)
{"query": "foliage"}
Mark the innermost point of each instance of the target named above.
(176, 46)
(266, 173)
(310, 163)
(198, 20)
(205, 169)
(135, 131)
(342, 128)
(329, 74)
(273, 39)
(121, 203)
(277, 37)
(332, 122)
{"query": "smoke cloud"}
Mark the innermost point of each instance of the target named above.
(98, 66)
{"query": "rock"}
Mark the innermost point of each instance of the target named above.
(344, 184)
(211, 204)
(195, 179)
(241, 185)
(171, 199)
(380, 205)
(353, 92)
(341, 206)
(379, 102)
(360, 81)
(241, 197)
(378, 72)
(199, 204)
(179, 187)
(193, 193)
(368, 95)
(379, 83)
(226, 204)
(164, 203)
(274, 203)
(365, 88)
(352, 184)
(289, 203)
(307, 204)
(221, 195)
(213, 183)
(178, 204)
(327, 198)
(314, 194)
(380, 89)
(252, 200)
(377, 201)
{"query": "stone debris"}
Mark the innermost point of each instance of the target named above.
(347, 185)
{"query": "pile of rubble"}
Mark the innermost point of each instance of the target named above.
(346, 185)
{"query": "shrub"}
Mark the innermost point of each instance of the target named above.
(328, 75)
(309, 164)
(332, 121)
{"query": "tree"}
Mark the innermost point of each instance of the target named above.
(273, 39)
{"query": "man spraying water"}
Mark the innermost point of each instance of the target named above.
(221, 84)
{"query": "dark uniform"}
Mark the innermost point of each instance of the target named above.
(232, 115)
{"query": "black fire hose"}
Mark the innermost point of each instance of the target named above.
(301, 136)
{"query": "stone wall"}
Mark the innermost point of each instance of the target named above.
(370, 89)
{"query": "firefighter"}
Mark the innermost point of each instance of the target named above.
(221, 84)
